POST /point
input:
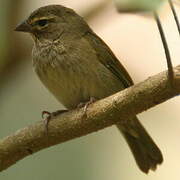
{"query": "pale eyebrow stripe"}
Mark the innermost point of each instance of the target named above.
(41, 18)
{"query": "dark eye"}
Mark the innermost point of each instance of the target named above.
(42, 22)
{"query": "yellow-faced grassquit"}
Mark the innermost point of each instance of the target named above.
(76, 65)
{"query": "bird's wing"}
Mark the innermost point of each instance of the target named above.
(108, 59)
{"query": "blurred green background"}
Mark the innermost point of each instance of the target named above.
(102, 155)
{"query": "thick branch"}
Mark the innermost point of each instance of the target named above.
(116, 108)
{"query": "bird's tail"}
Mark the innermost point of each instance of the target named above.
(145, 151)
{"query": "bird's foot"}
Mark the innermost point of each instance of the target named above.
(86, 105)
(47, 116)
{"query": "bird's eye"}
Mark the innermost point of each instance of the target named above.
(42, 22)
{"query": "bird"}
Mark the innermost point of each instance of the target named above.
(76, 65)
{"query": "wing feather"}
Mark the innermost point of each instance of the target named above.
(108, 59)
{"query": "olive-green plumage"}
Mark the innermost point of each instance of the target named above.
(75, 65)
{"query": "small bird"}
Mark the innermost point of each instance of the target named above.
(76, 66)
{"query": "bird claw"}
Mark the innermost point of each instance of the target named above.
(47, 116)
(86, 105)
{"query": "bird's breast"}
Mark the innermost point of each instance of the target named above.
(74, 74)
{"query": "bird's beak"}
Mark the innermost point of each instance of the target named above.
(24, 27)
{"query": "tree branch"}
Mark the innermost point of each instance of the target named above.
(103, 113)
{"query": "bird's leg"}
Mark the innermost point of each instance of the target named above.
(47, 116)
(86, 104)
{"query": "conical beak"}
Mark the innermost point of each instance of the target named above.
(24, 27)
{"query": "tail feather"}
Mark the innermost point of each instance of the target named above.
(145, 151)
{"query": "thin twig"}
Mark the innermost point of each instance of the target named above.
(166, 49)
(175, 15)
